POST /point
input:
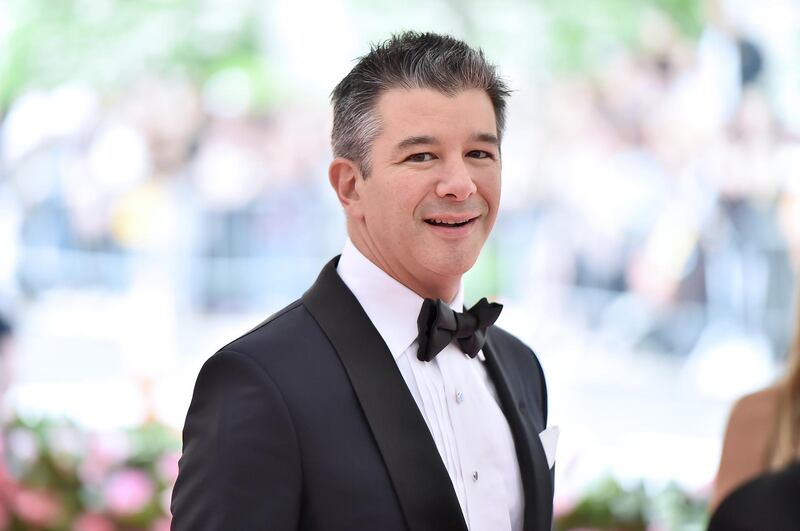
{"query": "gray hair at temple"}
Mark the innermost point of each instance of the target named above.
(409, 60)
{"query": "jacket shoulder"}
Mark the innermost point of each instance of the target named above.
(509, 342)
(280, 329)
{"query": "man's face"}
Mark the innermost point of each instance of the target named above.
(432, 195)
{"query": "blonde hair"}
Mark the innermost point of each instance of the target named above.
(784, 447)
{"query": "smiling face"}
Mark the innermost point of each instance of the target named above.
(431, 198)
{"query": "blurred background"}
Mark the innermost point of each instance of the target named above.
(163, 188)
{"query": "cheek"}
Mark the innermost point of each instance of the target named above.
(392, 213)
(394, 205)
(490, 191)
(401, 204)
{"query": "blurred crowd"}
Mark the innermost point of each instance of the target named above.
(664, 176)
(94, 189)
(665, 192)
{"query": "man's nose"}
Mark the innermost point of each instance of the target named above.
(456, 181)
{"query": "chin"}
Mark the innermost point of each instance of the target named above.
(452, 264)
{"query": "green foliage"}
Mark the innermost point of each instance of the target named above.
(58, 476)
(109, 43)
(679, 510)
(585, 32)
(609, 505)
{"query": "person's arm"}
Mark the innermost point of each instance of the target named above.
(745, 444)
(240, 467)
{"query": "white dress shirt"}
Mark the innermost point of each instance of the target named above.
(455, 396)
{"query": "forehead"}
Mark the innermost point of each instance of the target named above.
(423, 111)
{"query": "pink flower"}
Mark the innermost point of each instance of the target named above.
(92, 522)
(104, 451)
(168, 467)
(37, 507)
(5, 519)
(161, 525)
(128, 491)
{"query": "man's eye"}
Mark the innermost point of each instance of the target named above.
(420, 157)
(479, 154)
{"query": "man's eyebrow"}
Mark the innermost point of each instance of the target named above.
(416, 141)
(486, 137)
(426, 140)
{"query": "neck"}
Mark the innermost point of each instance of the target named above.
(435, 287)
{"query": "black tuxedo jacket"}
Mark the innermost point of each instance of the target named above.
(305, 423)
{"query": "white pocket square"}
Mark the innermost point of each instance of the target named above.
(549, 438)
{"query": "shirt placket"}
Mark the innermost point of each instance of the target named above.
(486, 508)
(438, 417)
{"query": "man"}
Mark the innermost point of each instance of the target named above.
(354, 408)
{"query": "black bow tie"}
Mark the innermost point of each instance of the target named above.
(438, 325)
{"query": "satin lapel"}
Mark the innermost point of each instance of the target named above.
(420, 479)
(530, 452)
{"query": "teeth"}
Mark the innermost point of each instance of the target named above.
(443, 222)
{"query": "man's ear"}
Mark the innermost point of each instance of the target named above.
(344, 175)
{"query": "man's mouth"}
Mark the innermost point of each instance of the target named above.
(450, 221)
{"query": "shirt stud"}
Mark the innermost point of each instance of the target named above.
(459, 397)
(475, 476)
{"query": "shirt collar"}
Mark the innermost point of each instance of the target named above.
(392, 307)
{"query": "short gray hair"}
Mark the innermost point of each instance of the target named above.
(407, 60)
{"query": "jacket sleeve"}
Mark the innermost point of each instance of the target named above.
(240, 468)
